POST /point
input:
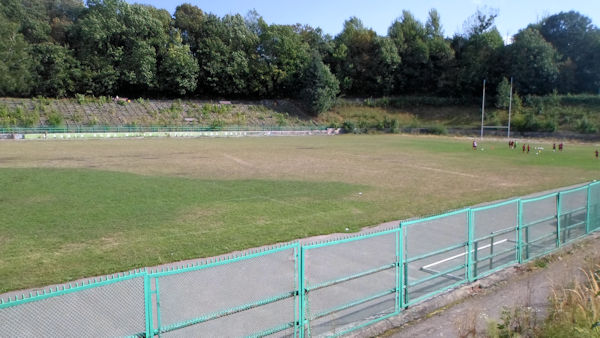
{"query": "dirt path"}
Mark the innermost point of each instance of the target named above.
(467, 312)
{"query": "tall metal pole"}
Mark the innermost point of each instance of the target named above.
(482, 109)
(510, 105)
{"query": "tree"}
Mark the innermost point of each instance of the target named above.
(178, 72)
(120, 46)
(409, 36)
(578, 43)
(15, 67)
(363, 62)
(503, 94)
(480, 22)
(285, 56)
(533, 62)
(320, 86)
(55, 70)
(441, 56)
(224, 48)
(478, 54)
(424, 52)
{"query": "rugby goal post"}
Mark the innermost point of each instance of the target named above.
(483, 111)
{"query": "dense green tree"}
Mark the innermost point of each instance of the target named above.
(503, 94)
(15, 63)
(224, 48)
(363, 62)
(478, 55)
(424, 52)
(577, 41)
(122, 47)
(178, 72)
(320, 86)
(410, 38)
(55, 70)
(441, 56)
(533, 62)
(285, 56)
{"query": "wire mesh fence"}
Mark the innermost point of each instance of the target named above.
(573, 214)
(318, 289)
(435, 254)
(360, 287)
(242, 296)
(107, 307)
(594, 206)
(495, 237)
(539, 224)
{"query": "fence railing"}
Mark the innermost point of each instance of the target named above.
(316, 289)
(142, 129)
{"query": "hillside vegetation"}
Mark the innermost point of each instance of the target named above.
(573, 113)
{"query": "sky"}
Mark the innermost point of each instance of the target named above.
(378, 15)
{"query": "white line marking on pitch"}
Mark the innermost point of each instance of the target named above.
(442, 171)
(461, 254)
(237, 160)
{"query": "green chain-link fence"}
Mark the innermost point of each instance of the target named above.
(317, 289)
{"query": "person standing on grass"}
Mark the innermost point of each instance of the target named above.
(553, 147)
(560, 146)
(474, 145)
(523, 147)
(596, 153)
(528, 148)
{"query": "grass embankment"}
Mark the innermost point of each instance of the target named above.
(85, 111)
(573, 113)
(73, 209)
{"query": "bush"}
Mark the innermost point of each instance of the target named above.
(80, 98)
(437, 129)
(176, 106)
(585, 126)
(582, 99)
(55, 119)
(348, 126)
(30, 119)
(281, 119)
(394, 125)
(362, 126)
(574, 311)
(217, 125)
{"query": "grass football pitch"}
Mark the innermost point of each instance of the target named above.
(73, 209)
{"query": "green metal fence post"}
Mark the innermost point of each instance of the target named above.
(297, 286)
(156, 291)
(558, 219)
(470, 253)
(398, 277)
(520, 232)
(403, 268)
(491, 253)
(401, 271)
(301, 293)
(148, 304)
(587, 213)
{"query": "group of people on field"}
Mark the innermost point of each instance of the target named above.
(512, 144)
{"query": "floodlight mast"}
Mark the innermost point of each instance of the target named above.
(482, 109)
